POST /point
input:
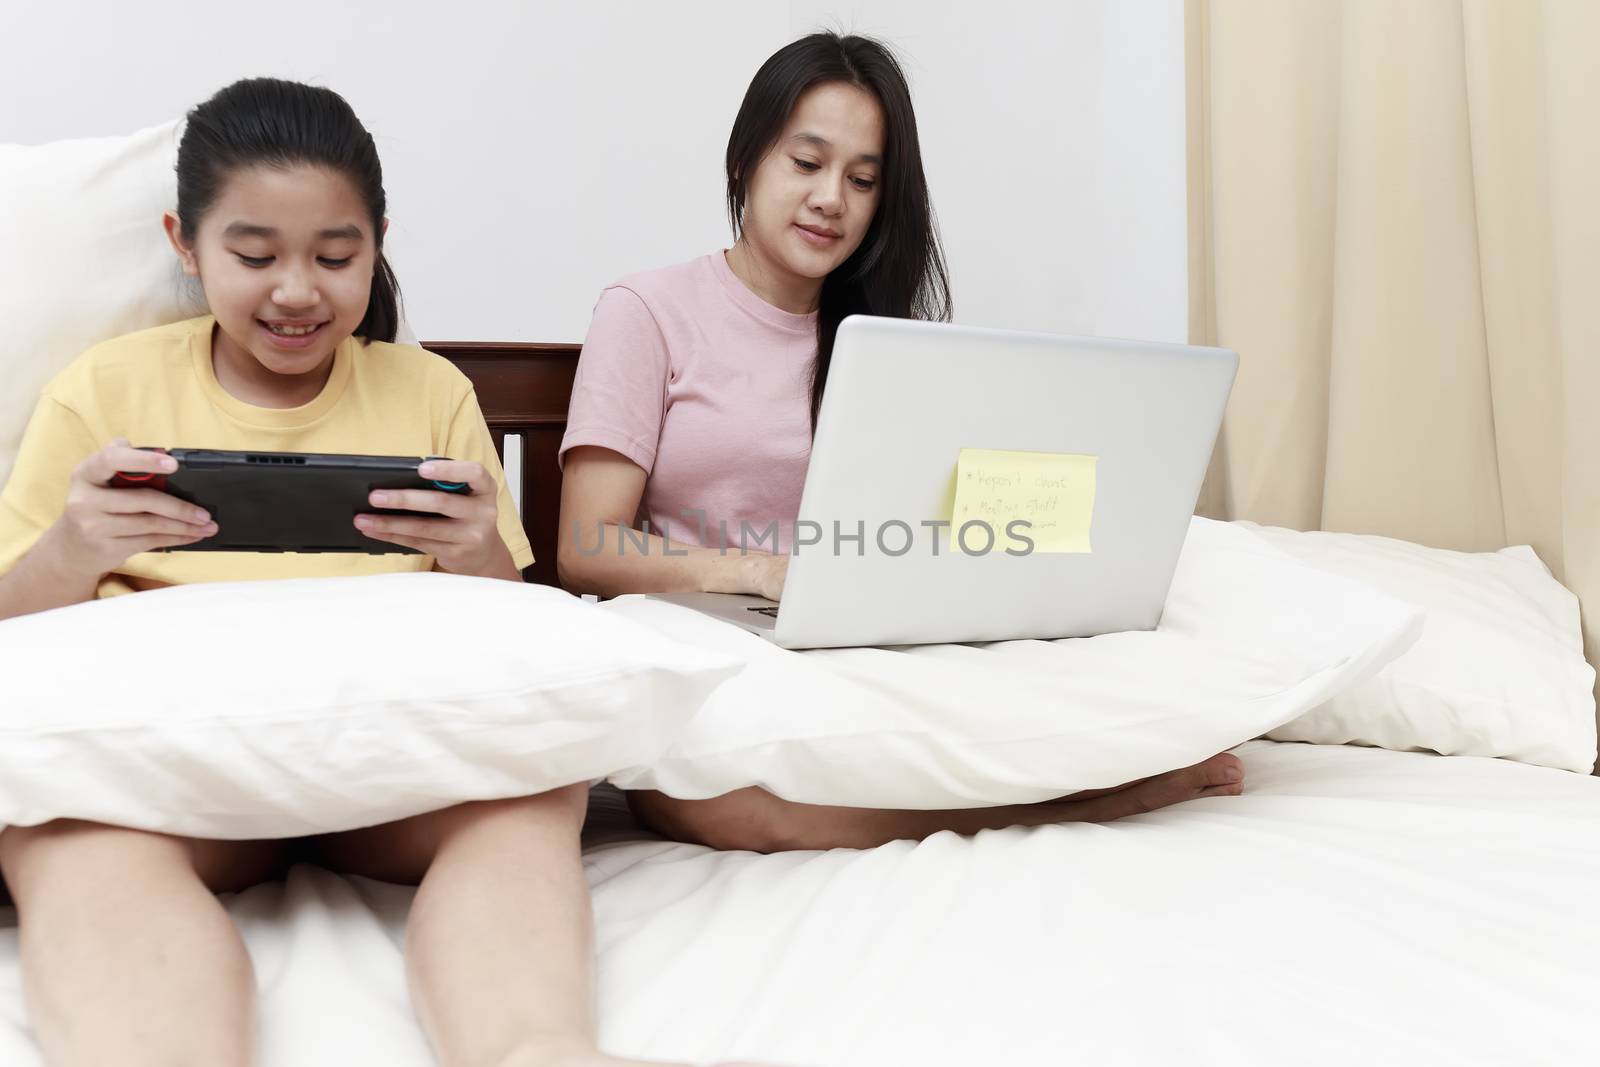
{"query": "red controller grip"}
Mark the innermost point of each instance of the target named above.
(140, 479)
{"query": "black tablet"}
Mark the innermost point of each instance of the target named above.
(287, 501)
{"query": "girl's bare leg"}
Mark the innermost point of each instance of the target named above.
(500, 941)
(127, 957)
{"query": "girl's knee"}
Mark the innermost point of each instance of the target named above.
(74, 837)
(495, 824)
(558, 809)
(73, 849)
(69, 851)
(404, 850)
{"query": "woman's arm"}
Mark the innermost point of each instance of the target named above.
(600, 494)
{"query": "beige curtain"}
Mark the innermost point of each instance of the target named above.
(1395, 220)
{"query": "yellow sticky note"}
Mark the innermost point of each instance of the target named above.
(1051, 491)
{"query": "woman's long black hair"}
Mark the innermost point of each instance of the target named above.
(268, 122)
(899, 270)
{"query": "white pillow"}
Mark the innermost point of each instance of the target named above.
(1498, 671)
(82, 257)
(1250, 639)
(284, 708)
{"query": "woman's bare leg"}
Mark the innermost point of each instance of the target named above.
(127, 957)
(500, 941)
(757, 821)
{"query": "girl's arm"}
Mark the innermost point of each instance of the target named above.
(43, 579)
(99, 528)
(460, 531)
(600, 494)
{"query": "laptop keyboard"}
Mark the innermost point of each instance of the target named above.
(771, 613)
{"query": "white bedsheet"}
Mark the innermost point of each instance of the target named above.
(1353, 905)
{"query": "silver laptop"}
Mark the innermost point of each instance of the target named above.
(934, 441)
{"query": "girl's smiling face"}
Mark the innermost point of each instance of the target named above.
(812, 199)
(285, 256)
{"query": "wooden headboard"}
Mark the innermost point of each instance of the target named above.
(523, 390)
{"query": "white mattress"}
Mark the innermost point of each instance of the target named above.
(1353, 906)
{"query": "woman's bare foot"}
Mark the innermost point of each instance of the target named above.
(1220, 776)
(578, 1058)
(592, 1058)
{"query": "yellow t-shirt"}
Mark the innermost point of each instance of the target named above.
(158, 387)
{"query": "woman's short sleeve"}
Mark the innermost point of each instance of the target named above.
(619, 395)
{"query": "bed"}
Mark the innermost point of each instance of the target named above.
(1354, 904)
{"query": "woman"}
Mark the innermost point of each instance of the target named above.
(698, 389)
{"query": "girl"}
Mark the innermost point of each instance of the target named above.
(699, 384)
(128, 957)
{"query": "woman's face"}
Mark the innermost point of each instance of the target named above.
(285, 256)
(811, 199)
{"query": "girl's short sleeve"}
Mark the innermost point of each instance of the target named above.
(468, 438)
(55, 442)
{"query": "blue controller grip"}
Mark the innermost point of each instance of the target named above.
(448, 487)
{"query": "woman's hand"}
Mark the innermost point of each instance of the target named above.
(767, 574)
(461, 534)
(101, 527)
(597, 550)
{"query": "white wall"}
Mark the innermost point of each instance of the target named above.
(535, 151)
(1053, 136)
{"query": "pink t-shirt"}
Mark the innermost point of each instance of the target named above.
(708, 388)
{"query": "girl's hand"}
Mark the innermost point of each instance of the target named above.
(101, 526)
(461, 535)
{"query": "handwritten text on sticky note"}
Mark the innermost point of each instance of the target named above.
(1052, 491)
